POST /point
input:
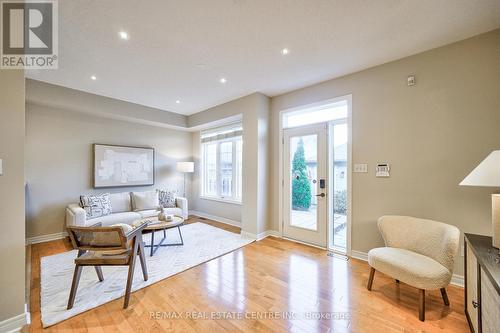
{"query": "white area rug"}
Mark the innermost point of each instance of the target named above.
(201, 243)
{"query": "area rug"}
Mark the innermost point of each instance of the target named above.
(201, 243)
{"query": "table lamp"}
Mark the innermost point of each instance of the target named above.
(487, 173)
(185, 167)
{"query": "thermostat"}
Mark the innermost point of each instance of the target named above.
(382, 170)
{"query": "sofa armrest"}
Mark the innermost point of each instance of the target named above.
(75, 216)
(182, 203)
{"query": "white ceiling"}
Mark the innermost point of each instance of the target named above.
(178, 50)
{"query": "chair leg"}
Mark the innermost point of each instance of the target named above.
(74, 285)
(370, 279)
(98, 270)
(131, 267)
(445, 297)
(143, 261)
(421, 306)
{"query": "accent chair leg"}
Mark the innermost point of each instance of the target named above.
(445, 297)
(421, 305)
(74, 285)
(98, 270)
(370, 279)
(130, 277)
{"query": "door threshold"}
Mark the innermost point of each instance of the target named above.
(305, 243)
(338, 255)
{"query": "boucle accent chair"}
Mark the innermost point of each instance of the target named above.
(417, 252)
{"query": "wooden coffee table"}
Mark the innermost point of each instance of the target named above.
(157, 225)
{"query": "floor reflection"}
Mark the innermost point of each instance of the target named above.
(225, 279)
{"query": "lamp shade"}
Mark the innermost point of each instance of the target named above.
(185, 167)
(487, 173)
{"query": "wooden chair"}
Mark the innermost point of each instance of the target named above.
(107, 246)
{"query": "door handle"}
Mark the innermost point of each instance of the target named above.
(321, 195)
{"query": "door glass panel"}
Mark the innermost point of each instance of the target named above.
(303, 173)
(340, 186)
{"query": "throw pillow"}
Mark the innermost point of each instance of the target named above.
(167, 198)
(145, 200)
(96, 205)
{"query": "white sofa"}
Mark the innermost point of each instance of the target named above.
(123, 211)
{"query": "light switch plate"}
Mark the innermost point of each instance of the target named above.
(361, 168)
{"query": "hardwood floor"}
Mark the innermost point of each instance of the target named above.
(263, 283)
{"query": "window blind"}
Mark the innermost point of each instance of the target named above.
(221, 133)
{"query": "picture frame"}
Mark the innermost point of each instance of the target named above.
(122, 166)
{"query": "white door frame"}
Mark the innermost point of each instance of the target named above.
(347, 98)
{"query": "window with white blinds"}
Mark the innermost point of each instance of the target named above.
(222, 150)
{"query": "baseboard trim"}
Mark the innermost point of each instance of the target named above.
(15, 324)
(456, 280)
(46, 238)
(359, 255)
(216, 218)
(261, 235)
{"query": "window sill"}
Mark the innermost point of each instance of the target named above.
(234, 202)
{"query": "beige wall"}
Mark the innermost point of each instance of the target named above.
(59, 159)
(254, 109)
(12, 243)
(51, 95)
(433, 134)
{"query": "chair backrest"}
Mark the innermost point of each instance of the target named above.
(98, 238)
(430, 238)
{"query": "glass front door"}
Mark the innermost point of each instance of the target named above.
(305, 184)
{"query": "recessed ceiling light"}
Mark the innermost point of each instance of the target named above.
(124, 35)
(223, 80)
(178, 102)
(93, 77)
(285, 51)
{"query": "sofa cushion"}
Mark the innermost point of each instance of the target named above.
(409, 267)
(167, 198)
(125, 217)
(120, 202)
(149, 213)
(145, 200)
(96, 205)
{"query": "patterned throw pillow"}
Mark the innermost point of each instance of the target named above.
(96, 205)
(167, 198)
